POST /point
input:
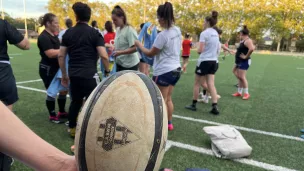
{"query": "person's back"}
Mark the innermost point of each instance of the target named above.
(186, 47)
(211, 39)
(170, 41)
(84, 45)
(7, 33)
(82, 50)
(109, 37)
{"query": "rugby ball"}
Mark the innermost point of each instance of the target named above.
(123, 125)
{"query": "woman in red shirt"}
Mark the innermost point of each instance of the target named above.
(187, 44)
(109, 44)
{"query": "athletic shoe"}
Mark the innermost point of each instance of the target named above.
(237, 85)
(302, 130)
(237, 94)
(191, 107)
(206, 100)
(302, 136)
(246, 96)
(72, 132)
(62, 115)
(67, 123)
(170, 127)
(215, 110)
(218, 97)
(73, 148)
(200, 100)
(55, 120)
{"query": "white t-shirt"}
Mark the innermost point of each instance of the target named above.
(169, 42)
(211, 39)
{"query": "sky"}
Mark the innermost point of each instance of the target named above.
(34, 8)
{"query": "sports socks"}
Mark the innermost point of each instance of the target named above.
(240, 90)
(61, 103)
(194, 102)
(204, 92)
(246, 91)
(50, 104)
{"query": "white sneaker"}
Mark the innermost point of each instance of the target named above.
(200, 100)
(218, 96)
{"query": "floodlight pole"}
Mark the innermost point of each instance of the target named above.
(25, 24)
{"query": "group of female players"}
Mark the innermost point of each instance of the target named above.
(209, 50)
(166, 49)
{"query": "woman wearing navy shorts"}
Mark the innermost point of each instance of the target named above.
(242, 63)
(166, 48)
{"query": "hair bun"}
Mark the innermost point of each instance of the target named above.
(117, 7)
(214, 14)
(167, 3)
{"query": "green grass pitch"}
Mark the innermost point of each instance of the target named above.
(276, 105)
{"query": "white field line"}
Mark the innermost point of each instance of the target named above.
(300, 68)
(243, 161)
(30, 81)
(33, 89)
(273, 134)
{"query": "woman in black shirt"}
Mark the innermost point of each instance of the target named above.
(242, 63)
(49, 45)
(8, 90)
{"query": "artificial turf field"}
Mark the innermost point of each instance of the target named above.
(276, 106)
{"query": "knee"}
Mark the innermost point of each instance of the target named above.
(242, 78)
(169, 100)
(205, 86)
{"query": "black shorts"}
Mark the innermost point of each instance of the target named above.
(121, 68)
(8, 88)
(207, 68)
(142, 60)
(169, 78)
(82, 87)
(47, 74)
(186, 56)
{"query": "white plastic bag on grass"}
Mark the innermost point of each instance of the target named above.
(227, 142)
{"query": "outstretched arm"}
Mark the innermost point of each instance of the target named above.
(148, 52)
(227, 49)
(23, 144)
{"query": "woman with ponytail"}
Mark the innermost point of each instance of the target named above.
(125, 50)
(242, 63)
(166, 48)
(207, 64)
